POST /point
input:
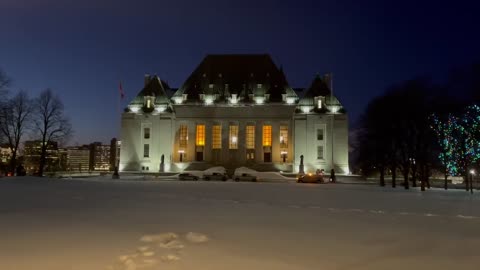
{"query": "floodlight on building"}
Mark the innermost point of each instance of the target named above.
(306, 109)
(208, 101)
(160, 108)
(259, 100)
(178, 100)
(134, 108)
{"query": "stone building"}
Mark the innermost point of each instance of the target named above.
(232, 111)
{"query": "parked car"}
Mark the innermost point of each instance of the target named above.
(187, 176)
(215, 176)
(245, 177)
(310, 178)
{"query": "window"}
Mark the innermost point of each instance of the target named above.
(183, 132)
(233, 137)
(319, 134)
(146, 150)
(319, 103)
(250, 137)
(320, 152)
(217, 137)
(267, 136)
(149, 103)
(146, 133)
(283, 136)
(210, 86)
(259, 85)
(200, 140)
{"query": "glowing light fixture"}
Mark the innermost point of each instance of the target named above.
(160, 108)
(134, 108)
(306, 109)
(178, 100)
(290, 100)
(259, 100)
(208, 101)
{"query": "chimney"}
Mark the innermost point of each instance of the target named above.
(147, 79)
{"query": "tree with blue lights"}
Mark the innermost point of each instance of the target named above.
(459, 140)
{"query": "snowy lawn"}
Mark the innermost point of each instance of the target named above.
(50, 224)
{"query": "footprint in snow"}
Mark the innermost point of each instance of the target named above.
(166, 248)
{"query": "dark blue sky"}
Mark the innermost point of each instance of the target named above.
(82, 49)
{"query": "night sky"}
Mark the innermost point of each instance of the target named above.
(82, 49)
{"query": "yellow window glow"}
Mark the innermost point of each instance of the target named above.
(267, 136)
(200, 140)
(250, 137)
(217, 137)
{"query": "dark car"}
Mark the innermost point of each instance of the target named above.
(310, 178)
(215, 176)
(245, 177)
(187, 176)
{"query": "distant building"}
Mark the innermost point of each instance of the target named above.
(78, 158)
(114, 153)
(99, 157)
(232, 111)
(5, 153)
(32, 151)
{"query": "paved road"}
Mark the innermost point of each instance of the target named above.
(127, 225)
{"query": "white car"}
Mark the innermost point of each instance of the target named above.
(245, 177)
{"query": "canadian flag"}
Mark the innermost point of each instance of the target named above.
(122, 94)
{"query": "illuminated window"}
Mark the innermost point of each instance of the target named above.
(183, 132)
(233, 137)
(146, 133)
(259, 85)
(250, 137)
(146, 150)
(319, 101)
(284, 136)
(319, 134)
(200, 140)
(267, 136)
(320, 152)
(149, 103)
(217, 137)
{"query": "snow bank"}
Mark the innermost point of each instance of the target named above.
(266, 176)
(218, 169)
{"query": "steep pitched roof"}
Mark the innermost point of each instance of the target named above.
(155, 87)
(240, 74)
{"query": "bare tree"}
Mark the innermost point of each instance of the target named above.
(4, 82)
(14, 121)
(50, 123)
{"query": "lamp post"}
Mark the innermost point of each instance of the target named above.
(472, 173)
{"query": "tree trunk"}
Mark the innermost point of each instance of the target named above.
(446, 181)
(414, 179)
(405, 180)
(382, 177)
(394, 177)
(13, 162)
(42, 160)
(467, 186)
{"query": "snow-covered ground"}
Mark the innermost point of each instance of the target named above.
(103, 224)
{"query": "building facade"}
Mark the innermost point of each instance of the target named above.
(78, 158)
(232, 111)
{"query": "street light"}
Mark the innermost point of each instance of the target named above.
(472, 173)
